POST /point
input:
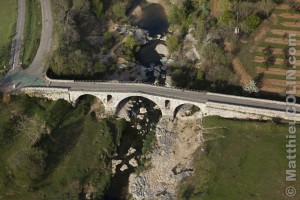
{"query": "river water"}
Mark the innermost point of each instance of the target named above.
(132, 137)
(154, 20)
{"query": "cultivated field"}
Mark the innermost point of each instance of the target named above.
(272, 37)
(8, 14)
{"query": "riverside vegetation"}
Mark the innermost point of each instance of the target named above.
(53, 150)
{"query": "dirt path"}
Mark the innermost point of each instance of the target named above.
(240, 71)
(214, 7)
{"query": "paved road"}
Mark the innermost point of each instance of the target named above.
(36, 68)
(173, 93)
(18, 39)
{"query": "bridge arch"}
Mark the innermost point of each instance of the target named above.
(88, 98)
(144, 103)
(187, 109)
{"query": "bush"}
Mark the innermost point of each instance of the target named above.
(251, 23)
(173, 43)
(97, 7)
(119, 10)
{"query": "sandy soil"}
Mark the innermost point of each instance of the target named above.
(282, 32)
(283, 7)
(276, 51)
(290, 16)
(291, 24)
(274, 71)
(261, 59)
(280, 40)
(276, 86)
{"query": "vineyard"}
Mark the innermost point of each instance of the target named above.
(264, 57)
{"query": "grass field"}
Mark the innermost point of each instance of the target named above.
(242, 160)
(273, 33)
(32, 33)
(8, 14)
(75, 149)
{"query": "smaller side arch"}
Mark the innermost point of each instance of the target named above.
(187, 109)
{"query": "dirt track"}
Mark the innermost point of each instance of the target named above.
(240, 71)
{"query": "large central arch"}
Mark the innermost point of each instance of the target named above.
(146, 102)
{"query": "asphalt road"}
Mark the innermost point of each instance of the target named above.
(36, 68)
(18, 39)
(187, 95)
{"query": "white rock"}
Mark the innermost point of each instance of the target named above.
(143, 110)
(138, 127)
(130, 151)
(124, 167)
(141, 117)
(133, 162)
(114, 165)
(162, 49)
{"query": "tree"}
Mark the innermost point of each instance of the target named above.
(227, 17)
(119, 10)
(250, 23)
(251, 87)
(97, 7)
(179, 78)
(130, 43)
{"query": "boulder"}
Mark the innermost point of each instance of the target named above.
(133, 162)
(162, 49)
(130, 151)
(124, 167)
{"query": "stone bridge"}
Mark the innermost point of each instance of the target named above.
(167, 104)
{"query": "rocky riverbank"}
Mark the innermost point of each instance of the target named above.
(171, 160)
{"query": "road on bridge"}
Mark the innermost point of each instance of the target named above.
(187, 95)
